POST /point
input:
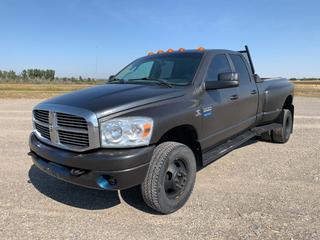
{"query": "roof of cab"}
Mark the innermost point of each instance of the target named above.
(195, 51)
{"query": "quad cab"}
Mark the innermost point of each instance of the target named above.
(157, 121)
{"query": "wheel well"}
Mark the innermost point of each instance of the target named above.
(288, 104)
(185, 134)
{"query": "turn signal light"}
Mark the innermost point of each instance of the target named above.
(146, 129)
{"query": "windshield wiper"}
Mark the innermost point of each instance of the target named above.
(160, 81)
(116, 80)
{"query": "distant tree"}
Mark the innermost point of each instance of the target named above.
(49, 74)
(12, 75)
(24, 74)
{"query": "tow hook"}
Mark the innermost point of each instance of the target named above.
(77, 172)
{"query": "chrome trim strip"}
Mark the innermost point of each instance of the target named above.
(90, 117)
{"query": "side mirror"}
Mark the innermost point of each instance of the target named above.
(225, 80)
(111, 77)
(229, 76)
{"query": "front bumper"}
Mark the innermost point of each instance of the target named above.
(110, 169)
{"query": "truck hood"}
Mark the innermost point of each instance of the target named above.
(110, 98)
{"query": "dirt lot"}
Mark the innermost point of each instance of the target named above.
(259, 191)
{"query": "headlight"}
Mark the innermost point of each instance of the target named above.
(126, 132)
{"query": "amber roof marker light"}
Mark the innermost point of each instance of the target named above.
(160, 51)
(181, 50)
(200, 49)
(170, 50)
(150, 53)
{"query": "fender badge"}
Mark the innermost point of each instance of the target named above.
(207, 111)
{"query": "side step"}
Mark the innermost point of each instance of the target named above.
(233, 143)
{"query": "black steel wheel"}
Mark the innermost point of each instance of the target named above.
(175, 178)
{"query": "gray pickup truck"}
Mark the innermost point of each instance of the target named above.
(157, 121)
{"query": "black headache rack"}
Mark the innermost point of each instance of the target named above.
(246, 54)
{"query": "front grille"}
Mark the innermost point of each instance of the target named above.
(62, 129)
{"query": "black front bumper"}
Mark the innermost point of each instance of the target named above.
(110, 169)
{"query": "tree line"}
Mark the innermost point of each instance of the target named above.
(40, 76)
(47, 74)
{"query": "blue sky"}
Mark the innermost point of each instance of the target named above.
(97, 38)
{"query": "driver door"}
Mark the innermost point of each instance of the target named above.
(219, 107)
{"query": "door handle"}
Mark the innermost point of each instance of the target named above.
(253, 92)
(234, 97)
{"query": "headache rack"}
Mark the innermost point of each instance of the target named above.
(246, 54)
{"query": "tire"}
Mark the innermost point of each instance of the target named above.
(170, 178)
(282, 135)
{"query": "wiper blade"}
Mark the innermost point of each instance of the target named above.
(116, 80)
(160, 81)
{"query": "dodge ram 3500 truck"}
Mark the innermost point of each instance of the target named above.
(157, 121)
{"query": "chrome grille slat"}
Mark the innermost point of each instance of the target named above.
(65, 138)
(41, 123)
(71, 125)
(73, 144)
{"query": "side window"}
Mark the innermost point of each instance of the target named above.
(219, 64)
(241, 68)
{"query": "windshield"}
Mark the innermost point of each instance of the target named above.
(174, 68)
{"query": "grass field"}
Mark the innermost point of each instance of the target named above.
(14, 90)
(307, 88)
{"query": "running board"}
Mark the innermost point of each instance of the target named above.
(233, 143)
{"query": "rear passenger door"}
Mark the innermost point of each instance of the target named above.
(247, 94)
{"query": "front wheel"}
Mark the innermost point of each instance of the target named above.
(170, 178)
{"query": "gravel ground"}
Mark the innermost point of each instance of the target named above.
(259, 191)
